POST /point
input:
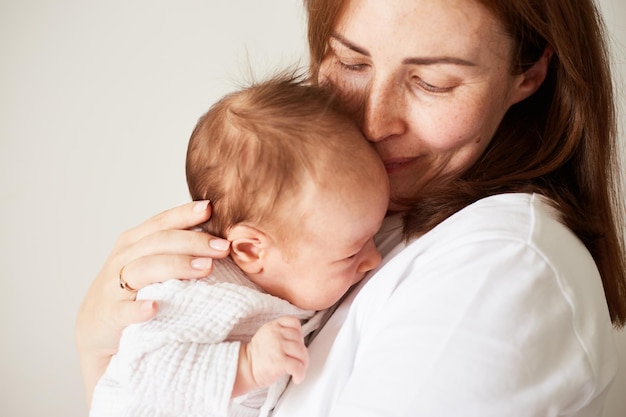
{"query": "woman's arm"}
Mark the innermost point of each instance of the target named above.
(158, 249)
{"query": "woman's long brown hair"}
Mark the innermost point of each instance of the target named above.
(561, 142)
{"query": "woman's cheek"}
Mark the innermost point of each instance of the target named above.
(458, 130)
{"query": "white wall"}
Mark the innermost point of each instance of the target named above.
(97, 100)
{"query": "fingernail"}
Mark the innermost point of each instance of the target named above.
(201, 263)
(219, 244)
(201, 206)
(148, 306)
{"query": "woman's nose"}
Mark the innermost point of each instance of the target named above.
(371, 257)
(383, 110)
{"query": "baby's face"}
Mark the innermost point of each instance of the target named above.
(333, 248)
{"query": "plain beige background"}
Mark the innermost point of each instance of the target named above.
(97, 101)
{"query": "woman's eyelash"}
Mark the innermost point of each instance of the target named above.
(420, 83)
(351, 67)
(429, 87)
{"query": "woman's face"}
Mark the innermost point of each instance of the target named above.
(434, 79)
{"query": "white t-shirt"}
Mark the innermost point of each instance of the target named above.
(498, 311)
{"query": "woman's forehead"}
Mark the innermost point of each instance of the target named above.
(462, 28)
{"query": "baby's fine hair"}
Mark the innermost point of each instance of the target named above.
(255, 149)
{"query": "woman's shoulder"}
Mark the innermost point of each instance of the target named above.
(515, 215)
(521, 231)
(512, 246)
(516, 248)
(528, 219)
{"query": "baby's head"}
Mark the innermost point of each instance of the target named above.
(294, 186)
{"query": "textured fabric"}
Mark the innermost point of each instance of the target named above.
(184, 361)
(498, 311)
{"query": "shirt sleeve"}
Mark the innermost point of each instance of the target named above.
(470, 338)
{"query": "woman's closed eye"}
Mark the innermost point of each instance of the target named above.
(349, 66)
(346, 63)
(346, 58)
(430, 88)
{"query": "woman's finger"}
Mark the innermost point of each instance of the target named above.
(181, 217)
(130, 312)
(158, 268)
(174, 242)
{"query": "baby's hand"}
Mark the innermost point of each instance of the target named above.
(277, 349)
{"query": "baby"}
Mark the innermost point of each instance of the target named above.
(299, 193)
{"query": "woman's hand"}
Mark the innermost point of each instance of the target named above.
(159, 249)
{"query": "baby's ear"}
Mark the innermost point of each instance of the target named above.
(247, 248)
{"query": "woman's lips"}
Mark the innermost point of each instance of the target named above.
(397, 164)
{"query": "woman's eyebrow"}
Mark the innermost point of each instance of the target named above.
(349, 44)
(408, 61)
(438, 60)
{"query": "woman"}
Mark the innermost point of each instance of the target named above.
(495, 120)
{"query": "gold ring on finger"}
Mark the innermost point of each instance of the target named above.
(123, 284)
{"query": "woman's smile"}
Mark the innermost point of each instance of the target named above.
(393, 165)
